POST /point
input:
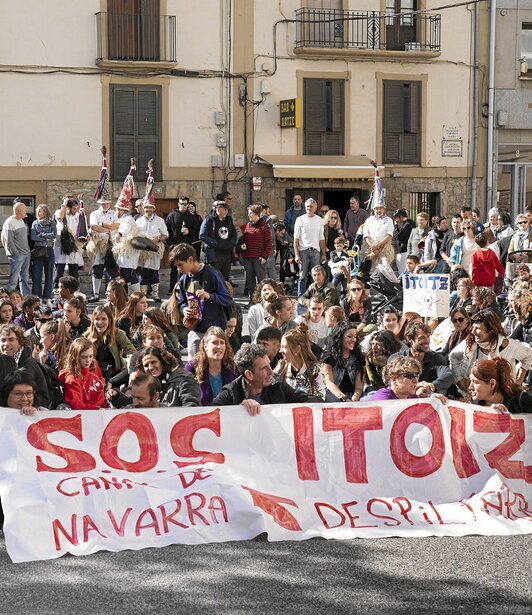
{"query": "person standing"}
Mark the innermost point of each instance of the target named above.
(415, 245)
(293, 213)
(378, 233)
(15, 242)
(43, 233)
(271, 271)
(255, 246)
(66, 250)
(183, 227)
(219, 234)
(102, 222)
(309, 243)
(403, 228)
(354, 218)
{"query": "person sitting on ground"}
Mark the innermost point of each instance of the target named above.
(343, 364)
(214, 365)
(523, 311)
(157, 317)
(7, 312)
(523, 275)
(14, 343)
(464, 297)
(171, 308)
(54, 343)
(130, 317)
(151, 337)
(255, 387)
(83, 382)
(315, 320)
(387, 321)
(357, 307)
(487, 341)
(178, 387)
(411, 266)
(383, 345)
(75, 317)
(16, 298)
(17, 391)
(280, 310)
(401, 376)
(29, 305)
(491, 384)
(333, 316)
(321, 286)
(230, 331)
(270, 339)
(116, 296)
(143, 391)
(436, 375)
(485, 299)
(41, 315)
(461, 322)
(299, 366)
(112, 344)
(68, 288)
(403, 323)
(257, 314)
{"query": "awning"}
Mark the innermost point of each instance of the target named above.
(323, 167)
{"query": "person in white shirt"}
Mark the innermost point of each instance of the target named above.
(127, 257)
(378, 234)
(309, 243)
(315, 320)
(102, 221)
(153, 227)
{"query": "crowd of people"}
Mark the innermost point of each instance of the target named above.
(318, 340)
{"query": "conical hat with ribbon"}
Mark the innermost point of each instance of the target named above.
(124, 199)
(149, 197)
(103, 190)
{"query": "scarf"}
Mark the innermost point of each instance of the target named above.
(489, 347)
(522, 241)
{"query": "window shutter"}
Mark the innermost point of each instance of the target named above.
(315, 119)
(393, 106)
(323, 117)
(401, 121)
(124, 117)
(337, 105)
(147, 112)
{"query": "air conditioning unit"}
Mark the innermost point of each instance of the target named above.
(413, 47)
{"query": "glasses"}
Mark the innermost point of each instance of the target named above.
(22, 394)
(358, 289)
(458, 319)
(43, 319)
(410, 375)
(523, 222)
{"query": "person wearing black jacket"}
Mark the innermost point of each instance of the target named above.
(183, 227)
(402, 228)
(218, 233)
(254, 387)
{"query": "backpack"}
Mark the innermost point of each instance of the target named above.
(55, 389)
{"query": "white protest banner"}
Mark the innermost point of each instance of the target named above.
(80, 482)
(427, 294)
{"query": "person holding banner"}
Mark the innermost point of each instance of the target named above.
(18, 392)
(491, 384)
(254, 387)
(344, 364)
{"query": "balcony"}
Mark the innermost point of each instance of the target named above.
(143, 39)
(339, 32)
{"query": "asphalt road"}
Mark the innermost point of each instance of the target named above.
(484, 575)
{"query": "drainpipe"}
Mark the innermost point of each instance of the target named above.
(491, 102)
(474, 146)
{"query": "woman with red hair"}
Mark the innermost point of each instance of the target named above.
(491, 384)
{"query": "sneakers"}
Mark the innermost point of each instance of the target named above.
(93, 299)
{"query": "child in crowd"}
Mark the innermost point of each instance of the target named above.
(412, 261)
(484, 263)
(339, 263)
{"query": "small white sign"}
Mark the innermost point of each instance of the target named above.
(427, 294)
(451, 132)
(452, 149)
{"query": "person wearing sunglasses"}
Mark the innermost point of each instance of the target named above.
(521, 240)
(436, 375)
(401, 376)
(461, 323)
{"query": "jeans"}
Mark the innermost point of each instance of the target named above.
(19, 268)
(271, 271)
(309, 258)
(255, 272)
(46, 263)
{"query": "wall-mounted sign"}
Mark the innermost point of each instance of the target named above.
(451, 132)
(256, 184)
(452, 149)
(290, 113)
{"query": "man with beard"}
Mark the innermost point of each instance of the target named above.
(436, 375)
(219, 234)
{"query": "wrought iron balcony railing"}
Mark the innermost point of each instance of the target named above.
(132, 37)
(336, 28)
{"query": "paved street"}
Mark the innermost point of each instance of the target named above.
(484, 575)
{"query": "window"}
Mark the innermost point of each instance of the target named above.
(526, 45)
(400, 24)
(429, 202)
(323, 114)
(133, 32)
(135, 129)
(402, 122)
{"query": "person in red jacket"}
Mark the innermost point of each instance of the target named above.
(485, 265)
(83, 382)
(255, 247)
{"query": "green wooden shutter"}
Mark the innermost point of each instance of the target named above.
(401, 122)
(323, 117)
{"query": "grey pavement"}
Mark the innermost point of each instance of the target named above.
(391, 576)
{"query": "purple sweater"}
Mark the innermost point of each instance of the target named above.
(228, 375)
(387, 393)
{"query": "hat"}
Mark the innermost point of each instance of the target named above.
(149, 197)
(128, 188)
(103, 191)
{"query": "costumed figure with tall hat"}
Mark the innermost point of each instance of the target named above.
(127, 256)
(153, 227)
(69, 242)
(378, 228)
(103, 224)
